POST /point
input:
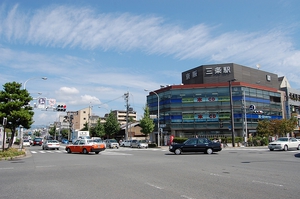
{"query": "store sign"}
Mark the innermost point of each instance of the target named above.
(205, 99)
(193, 74)
(218, 70)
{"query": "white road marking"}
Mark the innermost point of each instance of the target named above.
(113, 153)
(184, 196)
(152, 185)
(214, 174)
(6, 168)
(268, 183)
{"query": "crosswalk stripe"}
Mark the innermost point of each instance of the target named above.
(119, 151)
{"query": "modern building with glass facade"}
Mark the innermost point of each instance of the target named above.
(200, 106)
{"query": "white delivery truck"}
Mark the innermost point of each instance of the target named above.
(80, 135)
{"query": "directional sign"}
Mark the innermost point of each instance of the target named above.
(252, 107)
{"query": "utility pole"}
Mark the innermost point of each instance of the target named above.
(126, 96)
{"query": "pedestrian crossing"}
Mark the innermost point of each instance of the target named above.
(120, 151)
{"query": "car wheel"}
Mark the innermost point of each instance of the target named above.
(285, 148)
(298, 147)
(209, 151)
(43, 148)
(69, 150)
(97, 152)
(131, 146)
(57, 148)
(178, 151)
(271, 149)
(85, 151)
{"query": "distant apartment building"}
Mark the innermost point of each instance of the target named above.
(121, 116)
(81, 118)
(85, 116)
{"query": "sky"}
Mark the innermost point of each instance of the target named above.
(93, 52)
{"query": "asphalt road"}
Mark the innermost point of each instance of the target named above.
(152, 173)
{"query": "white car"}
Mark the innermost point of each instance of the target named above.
(126, 143)
(111, 143)
(284, 143)
(26, 143)
(140, 144)
(50, 144)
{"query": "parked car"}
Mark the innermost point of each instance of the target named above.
(112, 143)
(126, 143)
(26, 142)
(64, 141)
(50, 144)
(133, 143)
(140, 144)
(37, 141)
(85, 146)
(196, 145)
(284, 143)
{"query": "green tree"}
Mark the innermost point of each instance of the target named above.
(111, 126)
(37, 133)
(99, 129)
(85, 127)
(64, 133)
(52, 131)
(14, 105)
(146, 123)
(264, 128)
(289, 125)
(281, 127)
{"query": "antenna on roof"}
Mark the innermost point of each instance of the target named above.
(258, 66)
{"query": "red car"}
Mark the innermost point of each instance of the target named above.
(37, 141)
(86, 146)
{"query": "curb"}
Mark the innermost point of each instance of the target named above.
(27, 154)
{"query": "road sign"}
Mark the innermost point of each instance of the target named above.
(162, 125)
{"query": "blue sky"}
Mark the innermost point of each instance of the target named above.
(93, 52)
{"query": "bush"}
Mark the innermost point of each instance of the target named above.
(10, 153)
(264, 141)
(179, 140)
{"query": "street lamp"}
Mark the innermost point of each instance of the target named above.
(231, 110)
(103, 107)
(158, 130)
(44, 78)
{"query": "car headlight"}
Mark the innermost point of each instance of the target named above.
(170, 147)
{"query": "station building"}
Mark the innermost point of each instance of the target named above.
(201, 105)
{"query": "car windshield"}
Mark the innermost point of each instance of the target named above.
(97, 140)
(90, 141)
(113, 140)
(282, 139)
(26, 141)
(38, 139)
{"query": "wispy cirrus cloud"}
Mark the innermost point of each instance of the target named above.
(76, 27)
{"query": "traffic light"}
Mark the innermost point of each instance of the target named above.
(61, 107)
